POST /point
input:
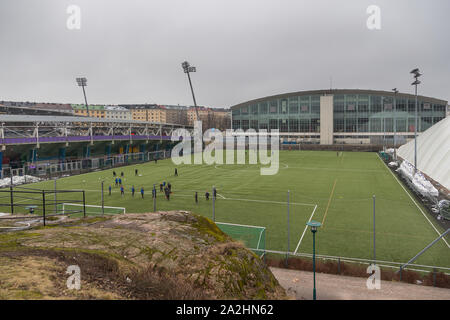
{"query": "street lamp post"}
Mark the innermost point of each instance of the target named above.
(314, 225)
(416, 82)
(395, 122)
(82, 82)
(187, 68)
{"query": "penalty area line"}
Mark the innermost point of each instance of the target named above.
(304, 231)
(268, 201)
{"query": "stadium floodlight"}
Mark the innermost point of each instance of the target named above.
(416, 82)
(395, 122)
(314, 226)
(82, 82)
(187, 68)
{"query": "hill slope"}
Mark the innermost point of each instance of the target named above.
(163, 255)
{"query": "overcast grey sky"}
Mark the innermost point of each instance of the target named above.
(131, 50)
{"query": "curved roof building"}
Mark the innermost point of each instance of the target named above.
(433, 152)
(340, 115)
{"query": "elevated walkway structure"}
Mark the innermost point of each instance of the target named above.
(27, 129)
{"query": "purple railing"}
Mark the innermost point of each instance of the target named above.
(7, 141)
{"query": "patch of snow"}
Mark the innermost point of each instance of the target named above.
(17, 180)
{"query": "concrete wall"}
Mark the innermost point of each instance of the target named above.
(326, 119)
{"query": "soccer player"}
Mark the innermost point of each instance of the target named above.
(196, 197)
(135, 172)
(109, 189)
(117, 182)
(176, 172)
(132, 191)
(207, 195)
(169, 186)
(122, 192)
(120, 181)
(166, 192)
(214, 193)
(114, 173)
(160, 187)
(142, 192)
(121, 174)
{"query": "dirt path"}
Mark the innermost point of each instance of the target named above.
(299, 285)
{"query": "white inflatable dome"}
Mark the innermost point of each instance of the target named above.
(433, 152)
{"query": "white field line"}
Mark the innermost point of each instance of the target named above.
(304, 231)
(412, 199)
(334, 169)
(275, 202)
(241, 225)
(259, 240)
(221, 196)
(91, 205)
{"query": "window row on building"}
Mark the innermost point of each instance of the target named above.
(340, 111)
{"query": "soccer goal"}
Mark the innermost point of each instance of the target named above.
(254, 237)
(91, 210)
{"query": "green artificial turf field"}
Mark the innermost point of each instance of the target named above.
(335, 189)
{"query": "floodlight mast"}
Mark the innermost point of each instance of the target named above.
(395, 122)
(82, 82)
(416, 74)
(187, 68)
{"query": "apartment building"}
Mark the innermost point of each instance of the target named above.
(117, 112)
(95, 111)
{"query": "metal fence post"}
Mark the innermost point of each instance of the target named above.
(11, 176)
(214, 203)
(339, 265)
(84, 205)
(288, 230)
(56, 208)
(43, 205)
(434, 277)
(374, 252)
(154, 198)
(103, 202)
(11, 199)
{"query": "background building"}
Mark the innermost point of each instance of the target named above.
(116, 112)
(95, 111)
(211, 117)
(339, 116)
(173, 114)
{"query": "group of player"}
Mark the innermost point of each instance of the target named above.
(118, 182)
(163, 187)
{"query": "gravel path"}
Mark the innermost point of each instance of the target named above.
(299, 285)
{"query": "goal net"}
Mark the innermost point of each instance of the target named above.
(76, 209)
(254, 237)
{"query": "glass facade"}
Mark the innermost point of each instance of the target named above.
(363, 112)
